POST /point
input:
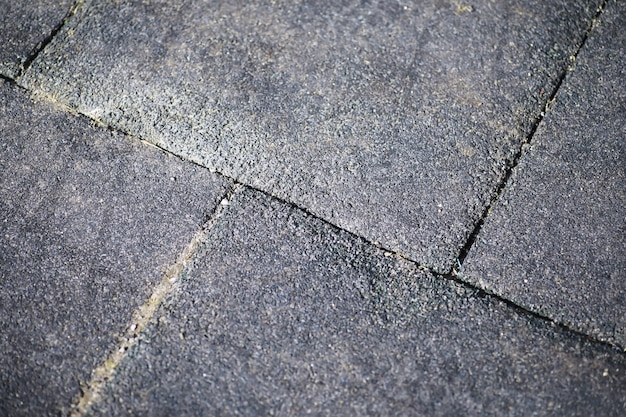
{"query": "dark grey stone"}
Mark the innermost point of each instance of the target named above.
(556, 241)
(391, 119)
(282, 314)
(89, 222)
(24, 25)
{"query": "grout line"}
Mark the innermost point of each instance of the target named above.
(523, 146)
(40, 47)
(118, 130)
(142, 316)
(339, 228)
(453, 273)
(452, 277)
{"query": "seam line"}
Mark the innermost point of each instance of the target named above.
(521, 151)
(142, 316)
(42, 45)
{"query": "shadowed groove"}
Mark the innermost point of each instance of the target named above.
(41, 46)
(522, 148)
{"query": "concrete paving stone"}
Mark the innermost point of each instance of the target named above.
(391, 119)
(89, 222)
(23, 26)
(556, 241)
(283, 314)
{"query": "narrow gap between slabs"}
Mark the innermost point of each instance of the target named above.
(40, 47)
(522, 148)
(101, 375)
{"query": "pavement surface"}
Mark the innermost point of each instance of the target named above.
(329, 208)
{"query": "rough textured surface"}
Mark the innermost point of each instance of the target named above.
(89, 220)
(391, 119)
(23, 26)
(556, 242)
(281, 314)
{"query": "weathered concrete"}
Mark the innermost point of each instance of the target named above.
(282, 314)
(23, 26)
(392, 120)
(556, 242)
(89, 221)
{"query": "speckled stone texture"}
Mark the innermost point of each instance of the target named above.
(391, 119)
(24, 25)
(89, 222)
(556, 241)
(282, 314)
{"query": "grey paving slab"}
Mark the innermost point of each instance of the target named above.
(556, 241)
(282, 314)
(393, 120)
(23, 26)
(89, 222)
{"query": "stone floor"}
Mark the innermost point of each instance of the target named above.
(312, 207)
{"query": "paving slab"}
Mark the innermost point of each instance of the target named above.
(556, 241)
(89, 222)
(24, 25)
(393, 120)
(282, 314)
